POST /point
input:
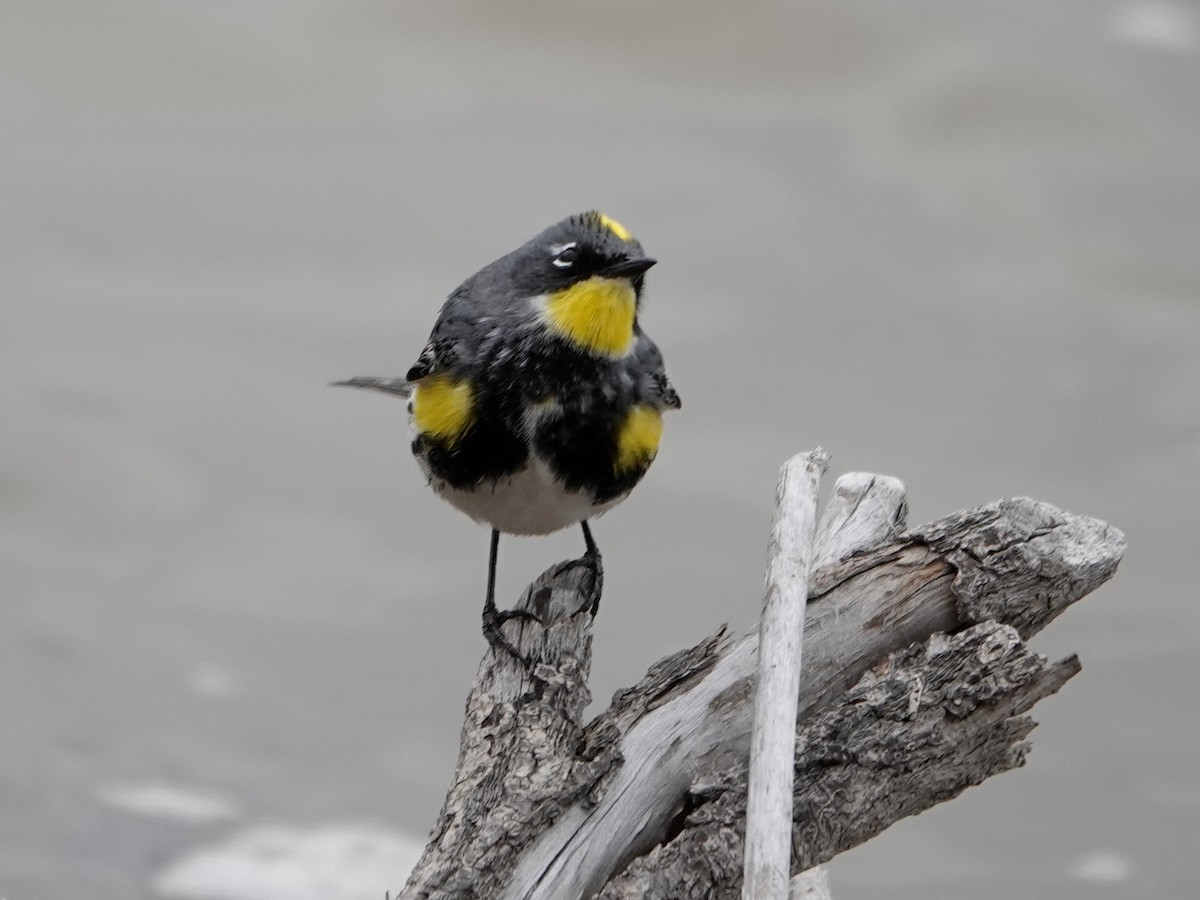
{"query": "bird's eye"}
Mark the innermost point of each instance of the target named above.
(566, 256)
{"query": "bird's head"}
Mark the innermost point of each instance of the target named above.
(586, 246)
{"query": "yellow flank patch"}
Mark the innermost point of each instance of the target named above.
(443, 407)
(637, 439)
(615, 227)
(596, 315)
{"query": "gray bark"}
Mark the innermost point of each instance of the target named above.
(915, 684)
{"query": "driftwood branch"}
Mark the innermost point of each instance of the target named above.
(915, 683)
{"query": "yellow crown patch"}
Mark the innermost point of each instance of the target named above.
(616, 227)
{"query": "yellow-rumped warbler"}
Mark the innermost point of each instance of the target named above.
(537, 402)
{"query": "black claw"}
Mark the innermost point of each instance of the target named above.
(599, 584)
(592, 562)
(492, 620)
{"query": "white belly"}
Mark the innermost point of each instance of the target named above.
(532, 501)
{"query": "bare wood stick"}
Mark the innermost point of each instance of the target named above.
(780, 640)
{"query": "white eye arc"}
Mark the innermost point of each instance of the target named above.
(564, 255)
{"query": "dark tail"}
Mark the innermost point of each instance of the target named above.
(399, 387)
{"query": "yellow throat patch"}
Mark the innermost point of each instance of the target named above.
(442, 407)
(637, 439)
(595, 315)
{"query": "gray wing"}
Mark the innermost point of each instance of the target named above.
(449, 342)
(653, 383)
(449, 339)
(479, 312)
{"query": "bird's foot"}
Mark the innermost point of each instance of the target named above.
(493, 618)
(590, 560)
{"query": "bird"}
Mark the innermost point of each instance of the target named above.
(537, 403)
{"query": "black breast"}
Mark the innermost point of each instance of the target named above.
(577, 434)
(586, 398)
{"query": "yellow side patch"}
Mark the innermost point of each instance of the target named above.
(442, 407)
(637, 439)
(596, 315)
(615, 227)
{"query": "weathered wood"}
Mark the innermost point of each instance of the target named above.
(864, 511)
(916, 730)
(520, 738)
(810, 885)
(1021, 561)
(544, 807)
(768, 853)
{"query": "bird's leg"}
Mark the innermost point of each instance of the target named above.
(592, 549)
(493, 618)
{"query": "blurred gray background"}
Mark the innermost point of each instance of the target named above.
(954, 242)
